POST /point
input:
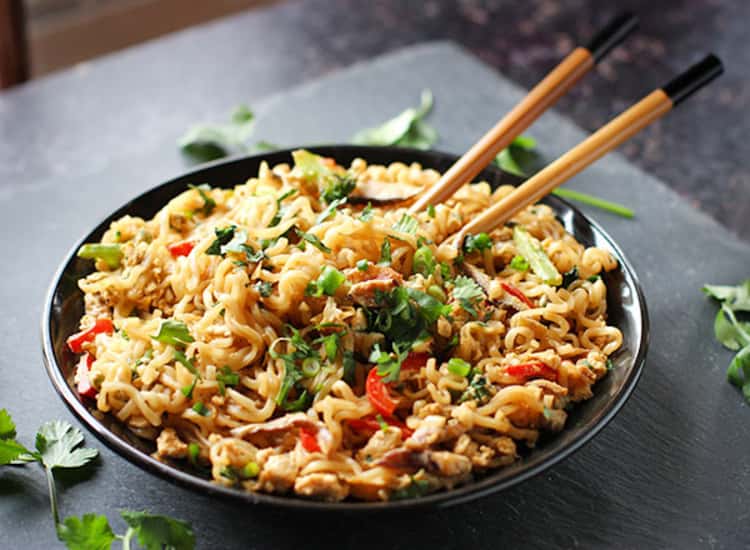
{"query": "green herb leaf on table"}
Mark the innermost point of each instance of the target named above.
(89, 532)
(11, 451)
(520, 151)
(206, 142)
(407, 129)
(57, 443)
(733, 332)
(155, 532)
(7, 426)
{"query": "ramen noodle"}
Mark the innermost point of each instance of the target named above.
(303, 334)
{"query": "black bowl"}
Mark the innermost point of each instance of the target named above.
(626, 306)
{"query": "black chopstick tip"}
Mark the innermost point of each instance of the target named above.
(617, 30)
(684, 85)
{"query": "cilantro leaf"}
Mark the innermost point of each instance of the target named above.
(264, 288)
(58, 445)
(279, 208)
(237, 244)
(330, 210)
(208, 203)
(7, 426)
(223, 236)
(406, 224)
(11, 450)
(467, 292)
(206, 142)
(407, 129)
(155, 532)
(313, 240)
(367, 213)
(173, 333)
(729, 331)
(89, 532)
(187, 363)
(385, 252)
(339, 188)
(519, 152)
(736, 297)
(389, 365)
(415, 489)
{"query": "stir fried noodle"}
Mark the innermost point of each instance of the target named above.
(301, 333)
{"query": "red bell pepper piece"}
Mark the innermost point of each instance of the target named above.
(537, 369)
(85, 389)
(181, 249)
(377, 393)
(309, 440)
(513, 291)
(415, 361)
(370, 424)
(75, 342)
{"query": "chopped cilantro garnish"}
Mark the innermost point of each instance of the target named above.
(350, 366)
(185, 362)
(424, 261)
(187, 391)
(416, 489)
(338, 189)
(570, 277)
(279, 209)
(330, 210)
(367, 213)
(173, 333)
(264, 288)
(468, 293)
(208, 203)
(406, 224)
(594, 278)
(389, 365)
(201, 409)
(385, 252)
(223, 236)
(313, 240)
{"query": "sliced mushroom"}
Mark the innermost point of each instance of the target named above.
(444, 463)
(286, 422)
(479, 276)
(378, 192)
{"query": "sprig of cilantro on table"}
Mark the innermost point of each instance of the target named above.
(733, 331)
(58, 445)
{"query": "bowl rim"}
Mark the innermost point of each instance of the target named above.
(459, 495)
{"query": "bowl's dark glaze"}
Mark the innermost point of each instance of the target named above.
(627, 311)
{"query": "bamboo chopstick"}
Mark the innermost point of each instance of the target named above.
(539, 99)
(621, 128)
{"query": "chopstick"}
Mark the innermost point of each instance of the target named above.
(569, 71)
(656, 104)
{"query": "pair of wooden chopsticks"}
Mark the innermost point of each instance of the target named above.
(541, 97)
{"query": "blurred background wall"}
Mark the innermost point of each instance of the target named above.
(64, 32)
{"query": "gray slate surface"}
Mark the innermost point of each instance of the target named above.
(669, 472)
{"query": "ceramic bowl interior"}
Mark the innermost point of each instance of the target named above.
(626, 307)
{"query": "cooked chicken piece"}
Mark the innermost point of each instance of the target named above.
(286, 422)
(445, 463)
(434, 429)
(449, 464)
(323, 486)
(365, 284)
(380, 443)
(278, 473)
(377, 192)
(168, 444)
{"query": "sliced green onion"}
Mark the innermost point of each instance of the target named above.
(111, 254)
(458, 366)
(585, 198)
(250, 470)
(519, 263)
(330, 279)
(310, 367)
(532, 250)
(363, 264)
(436, 292)
(194, 451)
(431, 211)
